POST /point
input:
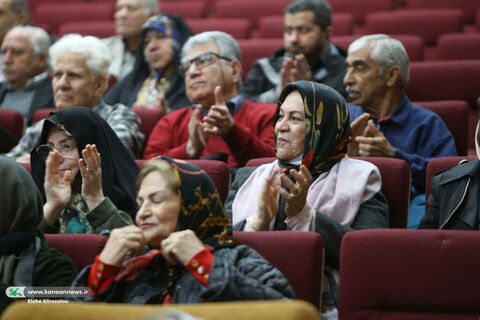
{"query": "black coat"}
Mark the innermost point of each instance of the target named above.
(453, 201)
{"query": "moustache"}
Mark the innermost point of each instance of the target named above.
(8, 68)
(352, 89)
(294, 50)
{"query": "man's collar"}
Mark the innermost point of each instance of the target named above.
(398, 116)
(32, 82)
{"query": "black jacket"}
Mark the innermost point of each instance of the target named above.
(453, 201)
(236, 274)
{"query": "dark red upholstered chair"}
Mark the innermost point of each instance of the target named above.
(459, 46)
(186, 9)
(414, 44)
(218, 171)
(468, 7)
(428, 24)
(251, 9)
(438, 165)
(359, 9)
(80, 247)
(455, 114)
(447, 80)
(409, 274)
(149, 119)
(298, 255)
(395, 185)
(55, 14)
(42, 114)
(253, 49)
(239, 28)
(12, 121)
(99, 29)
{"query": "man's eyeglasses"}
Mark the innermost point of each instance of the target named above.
(66, 149)
(201, 61)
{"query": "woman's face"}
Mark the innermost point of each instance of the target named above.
(158, 210)
(158, 49)
(67, 147)
(290, 128)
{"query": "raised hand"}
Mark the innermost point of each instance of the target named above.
(57, 188)
(285, 74)
(267, 203)
(357, 126)
(181, 246)
(374, 143)
(91, 170)
(120, 242)
(296, 197)
(219, 117)
(197, 136)
(300, 69)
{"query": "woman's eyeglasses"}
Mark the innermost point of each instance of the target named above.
(66, 149)
(201, 61)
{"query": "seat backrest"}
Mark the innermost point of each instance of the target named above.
(458, 46)
(395, 185)
(414, 45)
(298, 255)
(428, 24)
(468, 7)
(186, 9)
(149, 119)
(455, 114)
(253, 49)
(80, 247)
(251, 9)
(218, 171)
(53, 15)
(12, 121)
(409, 274)
(42, 114)
(239, 28)
(99, 29)
(359, 9)
(438, 165)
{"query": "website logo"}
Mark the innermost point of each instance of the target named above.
(15, 292)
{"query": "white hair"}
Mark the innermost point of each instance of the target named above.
(39, 38)
(95, 51)
(387, 52)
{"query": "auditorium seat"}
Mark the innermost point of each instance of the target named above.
(359, 9)
(149, 119)
(55, 14)
(458, 46)
(253, 49)
(13, 122)
(80, 247)
(42, 114)
(409, 275)
(239, 28)
(395, 185)
(298, 255)
(447, 80)
(428, 24)
(218, 171)
(414, 44)
(251, 9)
(99, 29)
(455, 114)
(468, 7)
(186, 9)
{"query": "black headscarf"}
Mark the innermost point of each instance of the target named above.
(119, 169)
(327, 126)
(21, 211)
(201, 210)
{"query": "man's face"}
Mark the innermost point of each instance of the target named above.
(129, 17)
(73, 83)
(8, 19)
(302, 35)
(200, 82)
(158, 49)
(364, 83)
(19, 63)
